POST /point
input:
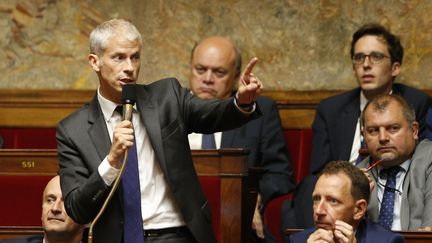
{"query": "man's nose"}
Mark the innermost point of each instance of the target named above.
(129, 67)
(367, 63)
(57, 206)
(383, 136)
(208, 76)
(319, 208)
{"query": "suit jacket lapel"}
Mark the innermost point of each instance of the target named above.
(149, 113)
(404, 213)
(372, 212)
(99, 135)
(98, 131)
(346, 126)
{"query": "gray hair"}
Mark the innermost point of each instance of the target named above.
(102, 33)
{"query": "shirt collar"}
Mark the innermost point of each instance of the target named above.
(405, 165)
(364, 101)
(106, 105)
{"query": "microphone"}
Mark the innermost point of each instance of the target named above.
(128, 99)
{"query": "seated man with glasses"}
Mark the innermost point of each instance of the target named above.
(376, 56)
(402, 198)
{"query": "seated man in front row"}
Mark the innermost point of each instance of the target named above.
(58, 227)
(402, 198)
(340, 200)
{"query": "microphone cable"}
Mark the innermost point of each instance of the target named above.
(128, 98)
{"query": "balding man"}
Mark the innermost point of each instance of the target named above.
(57, 225)
(214, 72)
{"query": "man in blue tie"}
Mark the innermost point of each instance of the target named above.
(214, 73)
(170, 205)
(402, 198)
(340, 200)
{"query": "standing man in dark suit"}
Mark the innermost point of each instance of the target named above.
(391, 132)
(340, 200)
(92, 141)
(214, 72)
(376, 56)
(58, 227)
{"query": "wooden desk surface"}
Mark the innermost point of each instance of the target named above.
(410, 236)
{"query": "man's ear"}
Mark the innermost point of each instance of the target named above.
(94, 62)
(360, 209)
(395, 69)
(415, 129)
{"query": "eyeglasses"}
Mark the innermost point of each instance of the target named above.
(374, 58)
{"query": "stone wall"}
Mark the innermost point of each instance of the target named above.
(301, 44)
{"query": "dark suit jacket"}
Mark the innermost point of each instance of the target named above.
(429, 124)
(336, 119)
(267, 149)
(169, 113)
(30, 239)
(367, 232)
(416, 208)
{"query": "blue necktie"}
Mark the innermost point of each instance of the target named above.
(208, 141)
(133, 224)
(387, 204)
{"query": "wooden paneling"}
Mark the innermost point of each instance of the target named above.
(28, 162)
(39, 108)
(9, 232)
(237, 193)
(45, 108)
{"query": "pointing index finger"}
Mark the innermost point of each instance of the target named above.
(250, 66)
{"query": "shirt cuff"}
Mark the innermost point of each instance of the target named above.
(107, 172)
(249, 110)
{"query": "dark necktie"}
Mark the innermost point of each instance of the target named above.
(387, 204)
(208, 141)
(133, 224)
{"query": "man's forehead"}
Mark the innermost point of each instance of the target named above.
(328, 182)
(392, 114)
(371, 43)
